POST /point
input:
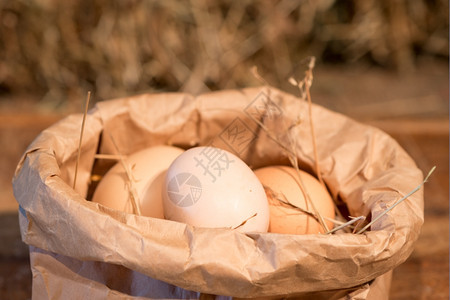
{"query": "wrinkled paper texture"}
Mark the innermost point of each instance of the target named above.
(81, 248)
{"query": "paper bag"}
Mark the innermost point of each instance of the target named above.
(85, 250)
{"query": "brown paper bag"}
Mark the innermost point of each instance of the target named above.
(85, 250)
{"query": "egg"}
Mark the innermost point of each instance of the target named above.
(211, 187)
(148, 168)
(282, 183)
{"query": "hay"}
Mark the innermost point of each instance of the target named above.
(58, 50)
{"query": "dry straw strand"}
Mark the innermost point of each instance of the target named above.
(304, 86)
(321, 220)
(81, 138)
(397, 202)
(284, 201)
(342, 226)
(245, 221)
(133, 194)
(292, 152)
(107, 156)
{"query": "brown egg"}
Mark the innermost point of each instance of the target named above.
(148, 168)
(282, 184)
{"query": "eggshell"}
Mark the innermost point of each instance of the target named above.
(283, 182)
(211, 187)
(148, 168)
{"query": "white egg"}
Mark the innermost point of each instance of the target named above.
(211, 187)
(148, 168)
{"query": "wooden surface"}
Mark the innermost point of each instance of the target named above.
(423, 133)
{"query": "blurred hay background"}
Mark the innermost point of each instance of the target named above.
(58, 50)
